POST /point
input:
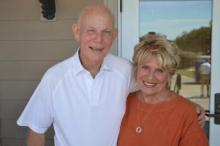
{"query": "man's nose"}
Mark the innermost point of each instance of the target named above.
(99, 37)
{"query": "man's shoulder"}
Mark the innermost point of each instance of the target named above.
(61, 68)
(118, 62)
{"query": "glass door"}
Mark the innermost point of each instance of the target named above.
(193, 25)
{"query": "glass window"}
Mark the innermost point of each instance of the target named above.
(188, 24)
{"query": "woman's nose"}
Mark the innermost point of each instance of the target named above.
(150, 75)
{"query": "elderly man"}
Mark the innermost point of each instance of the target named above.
(84, 96)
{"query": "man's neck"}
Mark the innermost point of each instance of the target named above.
(93, 70)
(92, 67)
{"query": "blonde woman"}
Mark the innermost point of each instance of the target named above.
(156, 116)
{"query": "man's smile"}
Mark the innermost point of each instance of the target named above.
(96, 49)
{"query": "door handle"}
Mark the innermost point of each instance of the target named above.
(216, 115)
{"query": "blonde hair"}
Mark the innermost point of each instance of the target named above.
(156, 45)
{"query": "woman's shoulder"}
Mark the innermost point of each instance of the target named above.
(186, 106)
(185, 102)
(132, 98)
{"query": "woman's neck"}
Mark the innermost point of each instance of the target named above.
(155, 99)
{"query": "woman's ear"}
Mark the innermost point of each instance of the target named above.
(76, 32)
(169, 81)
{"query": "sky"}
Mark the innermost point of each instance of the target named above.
(172, 18)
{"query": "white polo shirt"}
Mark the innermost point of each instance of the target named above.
(84, 111)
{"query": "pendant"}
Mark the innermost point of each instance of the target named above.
(138, 129)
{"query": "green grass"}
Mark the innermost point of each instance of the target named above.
(189, 72)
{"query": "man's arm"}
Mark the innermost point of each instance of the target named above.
(201, 114)
(35, 139)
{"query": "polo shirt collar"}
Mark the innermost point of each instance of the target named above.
(79, 68)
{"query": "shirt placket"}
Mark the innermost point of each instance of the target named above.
(95, 87)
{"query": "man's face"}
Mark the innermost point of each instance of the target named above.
(95, 34)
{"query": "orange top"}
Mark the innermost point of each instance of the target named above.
(170, 123)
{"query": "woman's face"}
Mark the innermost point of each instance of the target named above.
(151, 78)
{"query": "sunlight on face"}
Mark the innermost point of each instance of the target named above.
(151, 78)
(96, 35)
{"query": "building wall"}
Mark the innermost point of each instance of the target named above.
(28, 47)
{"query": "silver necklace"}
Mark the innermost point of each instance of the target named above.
(139, 129)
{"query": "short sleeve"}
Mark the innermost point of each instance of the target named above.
(37, 114)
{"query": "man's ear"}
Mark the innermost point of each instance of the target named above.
(76, 32)
(115, 34)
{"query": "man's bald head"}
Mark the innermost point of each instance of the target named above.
(95, 9)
